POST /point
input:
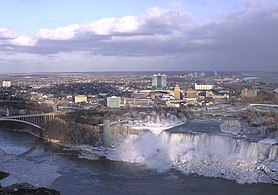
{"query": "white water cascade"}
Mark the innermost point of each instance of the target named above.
(214, 155)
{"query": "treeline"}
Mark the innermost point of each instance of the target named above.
(25, 107)
(94, 117)
(19, 102)
(73, 133)
(264, 97)
(267, 120)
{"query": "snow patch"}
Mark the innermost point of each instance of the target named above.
(231, 126)
(157, 123)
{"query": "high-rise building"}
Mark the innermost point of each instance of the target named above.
(159, 81)
(6, 84)
(177, 92)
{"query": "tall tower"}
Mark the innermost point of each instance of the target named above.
(159, 81)
(8, 112)
(177, 92)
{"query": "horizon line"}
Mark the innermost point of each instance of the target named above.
(123, 71)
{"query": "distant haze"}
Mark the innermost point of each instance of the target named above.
(133, 35)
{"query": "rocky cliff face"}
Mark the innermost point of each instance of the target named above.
(119, 132)
(71, 129)
(77, 133)
(73, 133)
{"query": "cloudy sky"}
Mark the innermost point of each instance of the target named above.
(131, 35)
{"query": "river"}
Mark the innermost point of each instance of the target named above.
(268, 77)
(29, 159)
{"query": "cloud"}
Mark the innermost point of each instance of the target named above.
(109, 26)
(6, 33)
(61, 33)
(242, 40)
(108, 34)
(260, 3)
(23, 41)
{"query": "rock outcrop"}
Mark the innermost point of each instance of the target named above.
(24, 188)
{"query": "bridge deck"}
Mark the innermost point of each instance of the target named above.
(36, 120)
(30, 115)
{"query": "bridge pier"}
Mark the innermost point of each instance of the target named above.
(106, 132)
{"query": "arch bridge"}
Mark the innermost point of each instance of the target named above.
(36, 120)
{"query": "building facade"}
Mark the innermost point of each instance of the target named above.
(137, 102)
(80, 98)
(6, 84)
(203, 87)
(177, 92)
(159, 81)
(249, 93)
(191, 94)
(114, 102)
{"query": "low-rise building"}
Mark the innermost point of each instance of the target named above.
(249, 93)
(114, 102)
(203, 87)
(6, 84)
(171, 104)
(209, 93)
(137, 102)
(80, 98)
(225, 96)
(191, 94)
(141, 94)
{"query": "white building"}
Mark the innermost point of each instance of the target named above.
(136, 102)
(159, 81)
(203, 87)
(80, 98)
(114, 102)
(7, 84)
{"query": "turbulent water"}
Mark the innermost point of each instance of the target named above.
(206, 152)
(209, 155)
(163, 164)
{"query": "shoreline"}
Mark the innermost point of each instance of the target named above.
(53, 141)
(101, 151)
(91, 152)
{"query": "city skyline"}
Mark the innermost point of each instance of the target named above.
(204, 35)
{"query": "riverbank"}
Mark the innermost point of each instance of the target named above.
(183, 150)
(3, 175)
(92, 152)
(49, 167)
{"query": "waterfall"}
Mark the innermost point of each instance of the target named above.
(216, 144)
(213, 155)
(273, 153)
